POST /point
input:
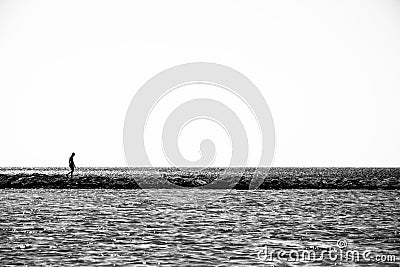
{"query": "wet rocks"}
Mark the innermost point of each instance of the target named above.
(216, 178)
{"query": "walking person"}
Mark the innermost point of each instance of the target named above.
(71, 165)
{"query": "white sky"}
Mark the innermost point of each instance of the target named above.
(329, 70)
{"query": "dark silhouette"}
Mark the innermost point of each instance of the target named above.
(71, 165)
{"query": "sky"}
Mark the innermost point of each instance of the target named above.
(329, 71)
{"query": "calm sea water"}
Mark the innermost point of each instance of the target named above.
(192, 227)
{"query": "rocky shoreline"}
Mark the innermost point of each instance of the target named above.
(275, 178)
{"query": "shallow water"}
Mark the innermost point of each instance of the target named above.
(192, 227)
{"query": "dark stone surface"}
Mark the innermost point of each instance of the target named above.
(38, 180)
(275, 178)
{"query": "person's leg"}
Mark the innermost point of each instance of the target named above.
(72, 172)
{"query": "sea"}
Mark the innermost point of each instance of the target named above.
(197, 227)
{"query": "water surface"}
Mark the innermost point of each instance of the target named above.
(190, 227)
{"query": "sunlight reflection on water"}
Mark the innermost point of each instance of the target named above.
(89, 227)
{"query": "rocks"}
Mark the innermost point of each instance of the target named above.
(332, 178)
(216, 178)
(38, 180)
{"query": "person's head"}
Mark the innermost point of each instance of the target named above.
(73, 153)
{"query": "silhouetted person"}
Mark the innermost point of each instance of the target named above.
(71, 165)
